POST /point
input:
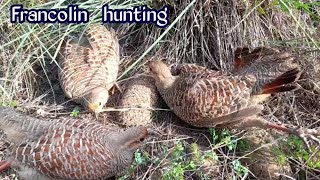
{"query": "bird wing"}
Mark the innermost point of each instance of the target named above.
(68, 154)
(18, 126)
(67, 148)
(105, 47)
(188, 68)
(75, 71)
(212, 97)
(104, 41)
(85, 66)
(84, 126)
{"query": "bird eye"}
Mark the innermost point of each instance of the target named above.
(100, 103)
(141, 139)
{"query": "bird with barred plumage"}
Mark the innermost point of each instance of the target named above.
(89, 67)
(274, 71)
(67, 148)
(209, 98)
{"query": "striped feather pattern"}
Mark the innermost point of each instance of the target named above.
(71, 148)
(187, 68)
(89, 65)
(203, 98)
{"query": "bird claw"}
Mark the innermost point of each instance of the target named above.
(307, 134)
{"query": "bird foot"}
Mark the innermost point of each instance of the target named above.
(306, 135)
(303, 133)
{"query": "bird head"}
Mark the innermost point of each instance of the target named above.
(125, 143)
(96, 99)
(134, 137)
(160, 72)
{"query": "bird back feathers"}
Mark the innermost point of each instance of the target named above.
(207, 95)
(85, 66)
(70, 148)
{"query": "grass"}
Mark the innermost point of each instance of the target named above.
(298, 152)
(202, 32)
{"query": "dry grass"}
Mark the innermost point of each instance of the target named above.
(206, 34)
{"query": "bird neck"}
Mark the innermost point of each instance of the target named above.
(124, 159)
(166, 83)
(123, 155)
(122, 141)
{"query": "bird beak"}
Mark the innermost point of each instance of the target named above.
(153, 132)
(94, 108)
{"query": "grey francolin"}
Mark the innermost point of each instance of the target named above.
(138, 100)
(89, 68)
(274, 71)
(67, 148)
(208, 98)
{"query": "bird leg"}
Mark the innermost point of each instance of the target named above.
(5, 165)
(304, 134)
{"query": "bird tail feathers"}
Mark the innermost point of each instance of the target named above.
(283, 83)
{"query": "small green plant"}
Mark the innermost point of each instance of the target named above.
(141, 158)
(75, 112)
(13, 104)
(178, 152)
(211, 156)
(223, 137)
(239, 168)
(229, 140)
(196, 152)
(294, 147)
(176, 172)
(179, 163)
(243, 145)
(213, 134)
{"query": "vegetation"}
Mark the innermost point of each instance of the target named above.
(203, 32)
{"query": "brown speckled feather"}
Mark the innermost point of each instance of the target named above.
(186, 68)
(85, 66)
(200, 95)
(106, 46)
(203, 98)
(70, 148)
(206, 98)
